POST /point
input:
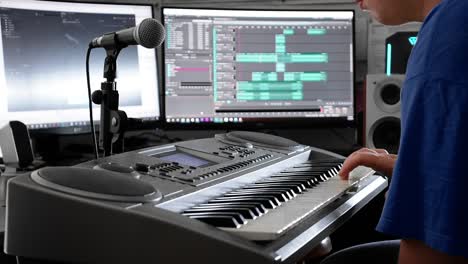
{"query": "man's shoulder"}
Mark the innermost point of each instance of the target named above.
(451, 18)
(444, 38)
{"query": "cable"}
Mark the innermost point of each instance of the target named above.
(93, 133)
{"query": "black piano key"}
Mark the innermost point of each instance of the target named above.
(312, 179)
(292, 189)
(238, 217)
(328, 161)
(295, 187)
(332, 173)
(300, 173)
(320, 176)
(271, 197)
(218, 221)
(246, 213)
(253, 208)
(291, 179)
(288, 191)
(306, 182)
(293, 176)
(309, 173)
(314, 169)
(279, 186)
(257, 205)
(308, 167)
(324, 161)
(336, 171)
(278, 194)
(268, 203)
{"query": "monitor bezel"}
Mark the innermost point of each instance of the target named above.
(86, 129)
(280, 123)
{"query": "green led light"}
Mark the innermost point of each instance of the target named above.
(389, 59)
(413, 40)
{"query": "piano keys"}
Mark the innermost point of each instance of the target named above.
(265, 209)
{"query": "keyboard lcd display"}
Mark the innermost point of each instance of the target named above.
(186, 159)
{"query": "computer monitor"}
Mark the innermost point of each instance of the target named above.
(42, 63)
(254, 66)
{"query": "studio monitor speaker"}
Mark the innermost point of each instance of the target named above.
(15, 145)
(383, 111)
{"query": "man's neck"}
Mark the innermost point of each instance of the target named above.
(427, 6)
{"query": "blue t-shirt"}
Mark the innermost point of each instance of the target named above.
(428, 197)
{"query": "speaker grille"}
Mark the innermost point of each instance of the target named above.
(390, 94)
(96, 184)
(386, 135)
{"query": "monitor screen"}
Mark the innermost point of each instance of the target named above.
(241, 66)
(42, 62)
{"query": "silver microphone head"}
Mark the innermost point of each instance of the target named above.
(150, 33)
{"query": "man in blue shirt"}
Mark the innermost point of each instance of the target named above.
(426, 206)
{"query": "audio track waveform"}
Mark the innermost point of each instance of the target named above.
(280, 84)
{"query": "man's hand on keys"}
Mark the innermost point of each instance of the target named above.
(376, 159)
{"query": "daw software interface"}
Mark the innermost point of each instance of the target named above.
(42, 62)
(244, 66)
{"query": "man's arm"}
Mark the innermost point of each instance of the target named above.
(416, 252)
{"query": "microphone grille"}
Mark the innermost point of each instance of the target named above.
(150, 33)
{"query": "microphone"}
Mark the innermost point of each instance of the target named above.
(149, 33)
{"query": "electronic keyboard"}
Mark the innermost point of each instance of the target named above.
(240, 196)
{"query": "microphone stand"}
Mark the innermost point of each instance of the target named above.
(113, 121)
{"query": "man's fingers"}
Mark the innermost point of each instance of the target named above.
(378, 160)
(365, 150)
(363, 158)
(381, 151)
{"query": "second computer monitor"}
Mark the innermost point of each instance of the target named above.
(245, 66)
